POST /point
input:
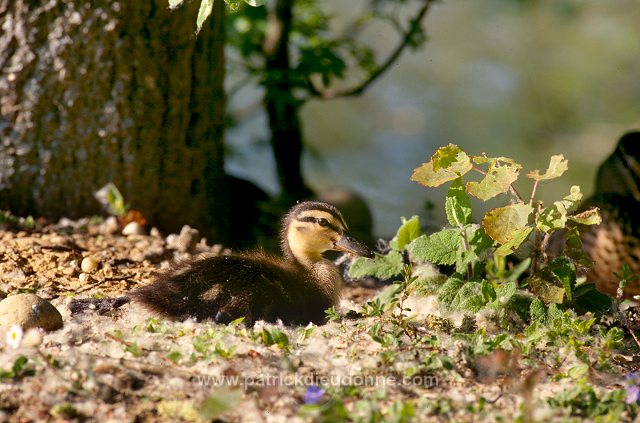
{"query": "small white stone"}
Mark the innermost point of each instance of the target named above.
(89, 265)
(109, 226)
(133, 228)
(69, 271)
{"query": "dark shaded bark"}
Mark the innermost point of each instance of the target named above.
(118, 91)
(282, 106)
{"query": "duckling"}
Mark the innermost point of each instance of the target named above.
(296, 288)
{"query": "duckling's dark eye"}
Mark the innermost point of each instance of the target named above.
(322, 221)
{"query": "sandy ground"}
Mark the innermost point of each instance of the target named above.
(129, 366)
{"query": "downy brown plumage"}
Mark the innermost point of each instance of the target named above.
(296, 288)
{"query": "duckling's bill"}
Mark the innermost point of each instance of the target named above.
(353, 246)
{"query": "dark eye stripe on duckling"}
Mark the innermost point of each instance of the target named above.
(319, 221)
(314, 209)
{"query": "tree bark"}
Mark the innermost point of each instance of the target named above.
(120, 91)
(282, 107)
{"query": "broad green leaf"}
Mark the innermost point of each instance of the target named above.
(588, 217)
(274, 336)
(572, 201)
(498, 180)
(502, 223)
(479, 244)
(449, 290)
(440, 247)
(383, 267)
(553, 313)
(518, 270)
(488, 292)
(546, 291)
(447, 164)
(255, 3)
(565, 271)
(206, 6)
(552, 218)
(459, 295)
(493, 160)
(457, 204)
(557, 166)
(175, 3)
(478, 239)
(445, 156)
(469, 298)
(505, 291)
(574, 250)
(480, 159)
(538, 311)
(409, 231)
(589, 299)
(518, 237)
(577, 371)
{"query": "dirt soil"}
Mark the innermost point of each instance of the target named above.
(129, 366)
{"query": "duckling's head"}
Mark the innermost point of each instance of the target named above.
(310, 228)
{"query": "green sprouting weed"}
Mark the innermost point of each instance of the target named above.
(373, 308)
(612, 339)
(20, 369)
(8, 220)
(154, 325)
(134, 349)
(117, 335)
(581, 400)
(624, 279)
(275, 336)
(174, 356)
(437, 361)
(304, 334)
(401, 294)
(381, 337)
(64, 411)
(331, 314)
(224, 352)
(333, 410)
(29, 222)
(112, 199)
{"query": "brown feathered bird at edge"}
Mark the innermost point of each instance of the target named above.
(296, 288)
(616, 241)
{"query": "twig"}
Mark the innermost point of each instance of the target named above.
(414, 28)
(533, 191)
(625, 321)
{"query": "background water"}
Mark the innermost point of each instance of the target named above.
(519, 79)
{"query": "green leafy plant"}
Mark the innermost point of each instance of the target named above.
(484, 277)
(275, 336)
(20, 369)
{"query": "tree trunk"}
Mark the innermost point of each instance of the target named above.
(119, 91)
(282, 107)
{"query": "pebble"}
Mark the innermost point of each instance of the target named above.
(89, 265)
(109, 226)
(29, 311)
(85, 278)
(186, 241)
(133, 228)
(59, 240)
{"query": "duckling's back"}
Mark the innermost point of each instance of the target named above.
(224, 288)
